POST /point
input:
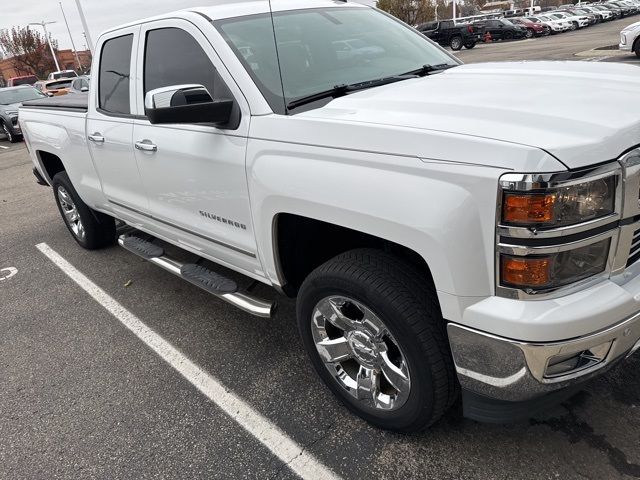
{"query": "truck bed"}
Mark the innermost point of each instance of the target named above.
(72, 102)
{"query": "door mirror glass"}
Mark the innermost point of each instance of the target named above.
(186, 104)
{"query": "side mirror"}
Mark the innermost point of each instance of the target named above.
(186, 104)
(84, 89)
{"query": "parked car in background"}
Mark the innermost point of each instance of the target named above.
(579, 12)
(62, 74)
(501, 29)
(556, 25)
(604, 14)
(533, 29)
(624, 8)
(577, 21)
(447, 34)
(629, 39)
(24, 80)
(54, 88)
(80, 84)
(10, 99)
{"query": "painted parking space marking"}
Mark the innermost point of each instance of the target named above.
(279, 443)
(7, 273)
(3, 147)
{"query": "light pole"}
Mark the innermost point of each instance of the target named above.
(87, 35)
(44, 24)
(454, 11)
(75, 51)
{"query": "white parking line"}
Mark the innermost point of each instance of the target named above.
(279, 443)
(3, 147)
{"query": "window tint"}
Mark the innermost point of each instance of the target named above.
(115, 75)
(173, 57)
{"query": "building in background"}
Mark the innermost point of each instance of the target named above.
(66, 58)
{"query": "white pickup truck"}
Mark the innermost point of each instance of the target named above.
(439, 237)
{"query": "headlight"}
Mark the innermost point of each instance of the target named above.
(560, 206)
(551, 271)
(12, 112)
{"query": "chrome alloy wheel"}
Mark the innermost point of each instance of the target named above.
(360, 353)
(71, 213)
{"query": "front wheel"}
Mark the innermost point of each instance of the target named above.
(456, 43)
(372, 327)
(469, 45)
(91, 229)
(574, 26)
(636, 49)
(507, 36)
(7, 132)
(529, 33)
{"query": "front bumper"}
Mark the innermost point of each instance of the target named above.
(515, 371)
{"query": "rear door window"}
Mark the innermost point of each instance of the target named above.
(114, 84)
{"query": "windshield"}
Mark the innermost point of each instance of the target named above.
(320, 48)
(19, 95)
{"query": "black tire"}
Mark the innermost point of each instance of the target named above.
(407, 303)
(507, 36)
(456, 43)
(636, 48)
(530, 33)
(470, 45)
(99, 229)
(10, 136)
(574, 26)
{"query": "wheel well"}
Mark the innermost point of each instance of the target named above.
(51, 163)
(303, 244)
(635, 44)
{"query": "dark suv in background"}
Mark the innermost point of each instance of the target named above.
(10, 99)
(501, 29)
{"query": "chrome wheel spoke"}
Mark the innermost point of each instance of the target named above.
(331, 311)
(397, 377)
(334, 350)
(367, 382)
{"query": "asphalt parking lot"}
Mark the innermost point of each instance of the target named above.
(578, 45)
(81, 396)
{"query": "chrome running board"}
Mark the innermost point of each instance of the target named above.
(216, 284)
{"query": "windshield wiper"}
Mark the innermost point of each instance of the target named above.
(428, 69)
(342, 90)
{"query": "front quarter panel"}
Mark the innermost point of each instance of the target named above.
(442, 209)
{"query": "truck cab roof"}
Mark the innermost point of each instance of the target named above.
(241, 8)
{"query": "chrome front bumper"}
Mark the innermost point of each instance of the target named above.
(516, 371)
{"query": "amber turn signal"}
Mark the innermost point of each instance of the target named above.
(526, 272)
(528, 209)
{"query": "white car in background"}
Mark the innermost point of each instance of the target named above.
(599, 10)
(575, 20)
(629, 37)
(557, 26)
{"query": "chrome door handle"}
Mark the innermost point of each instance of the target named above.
(146, 146)
(96, 138)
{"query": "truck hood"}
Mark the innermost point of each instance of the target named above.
(580, 112)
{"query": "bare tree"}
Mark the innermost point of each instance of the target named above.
(28, 50)
(412, 12)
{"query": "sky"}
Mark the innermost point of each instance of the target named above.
(100, 14)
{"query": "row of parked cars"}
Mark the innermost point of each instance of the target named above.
(23, 89)
(456, 34)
